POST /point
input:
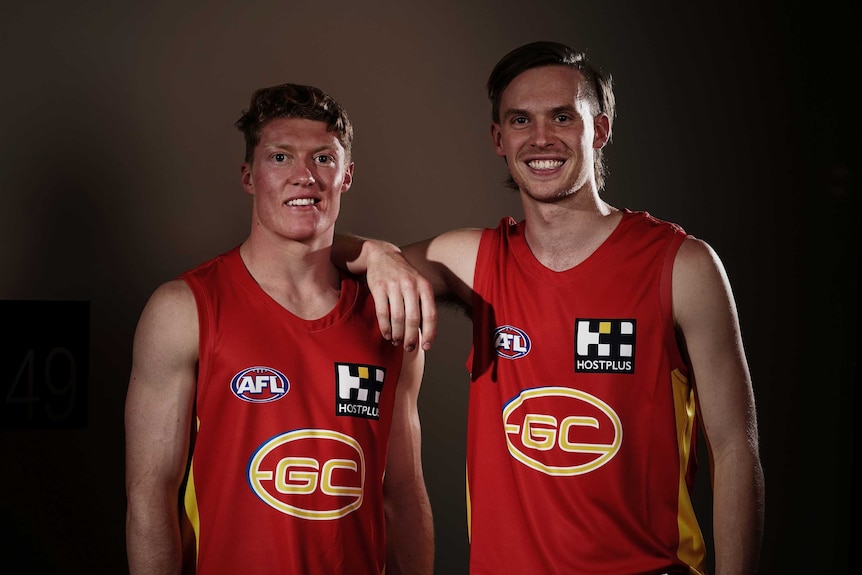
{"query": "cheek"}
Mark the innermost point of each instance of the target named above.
(265, 183)
(508, 145)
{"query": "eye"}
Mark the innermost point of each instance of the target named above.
(324, 159)
(563, 118)
(279, 157)
(519, 120)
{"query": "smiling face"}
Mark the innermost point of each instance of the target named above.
(547, 132)
(297, 175)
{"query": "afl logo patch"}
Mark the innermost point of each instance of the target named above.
(259, 384)
(511, 342)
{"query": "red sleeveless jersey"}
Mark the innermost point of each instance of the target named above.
(293, 420)
(581, 432)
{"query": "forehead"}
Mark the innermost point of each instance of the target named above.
(544, 87)
(298, 133)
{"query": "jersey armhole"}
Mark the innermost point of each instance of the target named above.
(666, 295)
(487, 250)
(204, 327)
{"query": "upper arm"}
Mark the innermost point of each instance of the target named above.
(706, 318)
(404, 459)
(448, 261)
(161, 390)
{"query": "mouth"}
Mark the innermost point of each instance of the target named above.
(541, 165)
(301, 202)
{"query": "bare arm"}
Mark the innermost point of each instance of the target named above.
(707, 318)
(409, 525)
(158, 423)
(405, 281)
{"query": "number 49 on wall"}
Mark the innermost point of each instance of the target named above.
(44, 364)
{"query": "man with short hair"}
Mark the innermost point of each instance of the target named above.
(603, 340)
(305, 439)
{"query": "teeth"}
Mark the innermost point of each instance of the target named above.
(545, 164)
(301, 202)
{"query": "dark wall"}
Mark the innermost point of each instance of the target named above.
(119, 169)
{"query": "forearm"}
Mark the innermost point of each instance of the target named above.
(403, 298)
(409, 533)
(153, 539)
(738, 512)
(355, 253)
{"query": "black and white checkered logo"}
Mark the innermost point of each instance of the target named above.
(358, 389)
(605, 345)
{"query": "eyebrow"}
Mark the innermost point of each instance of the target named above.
(560, 109)
(554, 111)
(514, 112)
(288, 147)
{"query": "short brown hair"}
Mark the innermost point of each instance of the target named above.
(599, 84)
(293, 101)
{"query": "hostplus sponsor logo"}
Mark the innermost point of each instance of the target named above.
(511, 342)
(259, 384)
(605, 345)
(358, 389)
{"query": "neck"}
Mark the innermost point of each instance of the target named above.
(564, 233)
(299, 277)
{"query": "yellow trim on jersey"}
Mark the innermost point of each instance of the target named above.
(469, 509)
(190, 501)
(691, 548)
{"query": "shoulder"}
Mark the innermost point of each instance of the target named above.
(174, 295)
(696, 259)
(464, 237)
(642, 221)
(448, 260)
(169, 317)
(462, 245)
(700, 283)
(227, 263)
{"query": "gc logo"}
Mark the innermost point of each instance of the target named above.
(561, 431)
(285, 475)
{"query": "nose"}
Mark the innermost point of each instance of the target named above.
(542, 134)
(303, 176)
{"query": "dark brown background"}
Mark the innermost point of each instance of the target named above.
(119, 169)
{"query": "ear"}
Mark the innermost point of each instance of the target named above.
(601, 131)
(497, 139)
(348, 178)
(246, 178)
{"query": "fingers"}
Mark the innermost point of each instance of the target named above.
(396, 317)
(405, 315)
(413, 309)
(389, 303)
(428, 309)
(381, 306)
(404, 303)
(403, 309)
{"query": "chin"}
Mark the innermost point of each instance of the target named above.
(547, 193)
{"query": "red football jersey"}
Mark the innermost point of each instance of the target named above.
(582, 431)
(293, 420)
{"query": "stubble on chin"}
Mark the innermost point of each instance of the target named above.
(553, 196)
